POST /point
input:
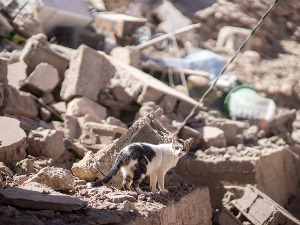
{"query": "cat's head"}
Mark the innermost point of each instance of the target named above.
(181, 147)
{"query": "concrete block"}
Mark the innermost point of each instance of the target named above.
(82, 106)
(213, 136)
(12, 141)
(88, 118)
(127, 54)
(71, 127)
(275, 172)
(46, 142)
(17, 74)
(225, 217)
(57, 178)
(231, 129)
(34, 197)
(38, 50)
(43, 79)
(3, 71)
(84, 168)
(97, 135)
(60, 107)
(258, 208)
(18, 102)
(232, 37)
(47, 98)
(45, 114)
(85, 75)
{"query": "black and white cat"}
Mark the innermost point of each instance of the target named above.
(138, 160)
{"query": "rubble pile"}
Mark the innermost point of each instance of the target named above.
(67, 110)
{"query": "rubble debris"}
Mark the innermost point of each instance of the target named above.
(43, 79)
(17, 74)
(37, 50)
(128, 54)
(46, 142)
(166, 12)
(83, 169)
(273, 170)
(81, 106)
(233, 37)
(3, 71)
(72, 128)
(12, 141)
(58, 179)
(225, 217)
(40, 197)
(97, 135)
(213, 136)
(258, 208)
(86, 65)
(27, 25)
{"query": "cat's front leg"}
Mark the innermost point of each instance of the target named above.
(153, 181)
(161, 182)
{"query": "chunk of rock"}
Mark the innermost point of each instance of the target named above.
(127, 54)
(213, 136)
(17, 102)
(57, 178)
(98, 135)
(12, 141)
(232, 37)
(31, 197)
(82, 106)
(84, 168)
(5, 169)
(46, 142)
(84, 75)
(16, 74)
(258, 208)
(38, 50)
(43, 79)
(121, 198)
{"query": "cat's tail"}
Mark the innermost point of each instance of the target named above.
(116, 167)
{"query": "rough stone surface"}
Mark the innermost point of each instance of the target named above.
(57, 178)
(127, 54)
(17, 74)
(71, 127)
(232, 37)
(12, 140)
(97, 135)
(258, 208)
(85, 66)
(274, 171)
(18, 102)
(31, 197)
(213, 136)
(43, 79)
(83, 169)
(46, 142)
(82, 106)
(225, 217)
(38, 50)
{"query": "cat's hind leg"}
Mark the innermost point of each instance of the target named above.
(139, 173)
(153, 182)
(126, 182)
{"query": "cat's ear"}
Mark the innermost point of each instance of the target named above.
(189, 142)
(174, 138)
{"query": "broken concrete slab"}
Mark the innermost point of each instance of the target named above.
(127, 54)
(40, 198)
(97, 135)
(258, 208)
(12, 141)
(232, 37)
(72, 128)
(60, 107)
(46, 142)
(5, 169)
(57, 178)
(274, 171)
(16, 74)
(84, 77)
(38, 50)
(43, 79)
(18, 102)
(84, 168)
(213, 136)
(81, 106)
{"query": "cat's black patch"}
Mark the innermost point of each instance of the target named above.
(141, 150)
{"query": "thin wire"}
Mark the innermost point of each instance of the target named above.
(224, 68)
(173, 38)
